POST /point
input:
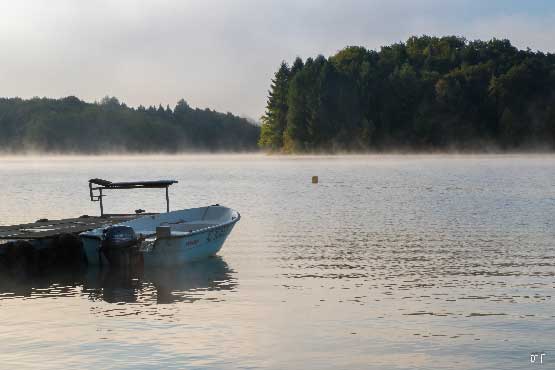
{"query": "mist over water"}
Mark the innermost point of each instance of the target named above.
(390, 262)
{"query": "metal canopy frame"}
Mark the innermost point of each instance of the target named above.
(96, 187)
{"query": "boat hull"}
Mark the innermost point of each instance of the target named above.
(169, 250)
(173, 251)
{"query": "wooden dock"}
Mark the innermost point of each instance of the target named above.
(33, 248)
(52, 228)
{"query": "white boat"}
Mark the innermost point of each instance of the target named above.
(165, 239)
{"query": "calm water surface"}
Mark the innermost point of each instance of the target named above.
(391, 262)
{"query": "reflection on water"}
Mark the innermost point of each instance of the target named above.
(146, 286)
(390, 262)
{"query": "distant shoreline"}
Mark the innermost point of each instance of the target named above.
(70, 125)
(264, 155)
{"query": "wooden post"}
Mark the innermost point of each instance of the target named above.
(101, 205)
(167, 200)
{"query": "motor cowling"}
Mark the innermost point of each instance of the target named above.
(120, 245)
(119, 237)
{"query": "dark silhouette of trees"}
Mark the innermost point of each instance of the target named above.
(428, 93)
(275, 118)
(71, 125)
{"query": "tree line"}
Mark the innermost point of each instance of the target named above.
(428, 93)
(72, 125)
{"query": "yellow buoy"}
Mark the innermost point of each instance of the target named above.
(314, 179)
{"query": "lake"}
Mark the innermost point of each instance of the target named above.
(390, 262)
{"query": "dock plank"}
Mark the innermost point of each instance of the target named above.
(52, 228)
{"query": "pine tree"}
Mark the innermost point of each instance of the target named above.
(275, 118)
(296, 134)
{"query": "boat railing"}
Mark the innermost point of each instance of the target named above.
(98, 186)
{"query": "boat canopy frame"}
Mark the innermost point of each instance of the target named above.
(97, 186)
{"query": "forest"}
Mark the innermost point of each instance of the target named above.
(425, 94)
(70, 125)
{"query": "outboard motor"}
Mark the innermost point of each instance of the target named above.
(120, 246)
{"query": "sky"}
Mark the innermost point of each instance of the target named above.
(222, 54)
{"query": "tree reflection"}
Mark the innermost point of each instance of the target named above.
(187, 283)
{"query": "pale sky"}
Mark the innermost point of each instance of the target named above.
(222, 53)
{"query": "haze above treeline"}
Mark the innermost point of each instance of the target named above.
(70, 125)
(425, 94)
